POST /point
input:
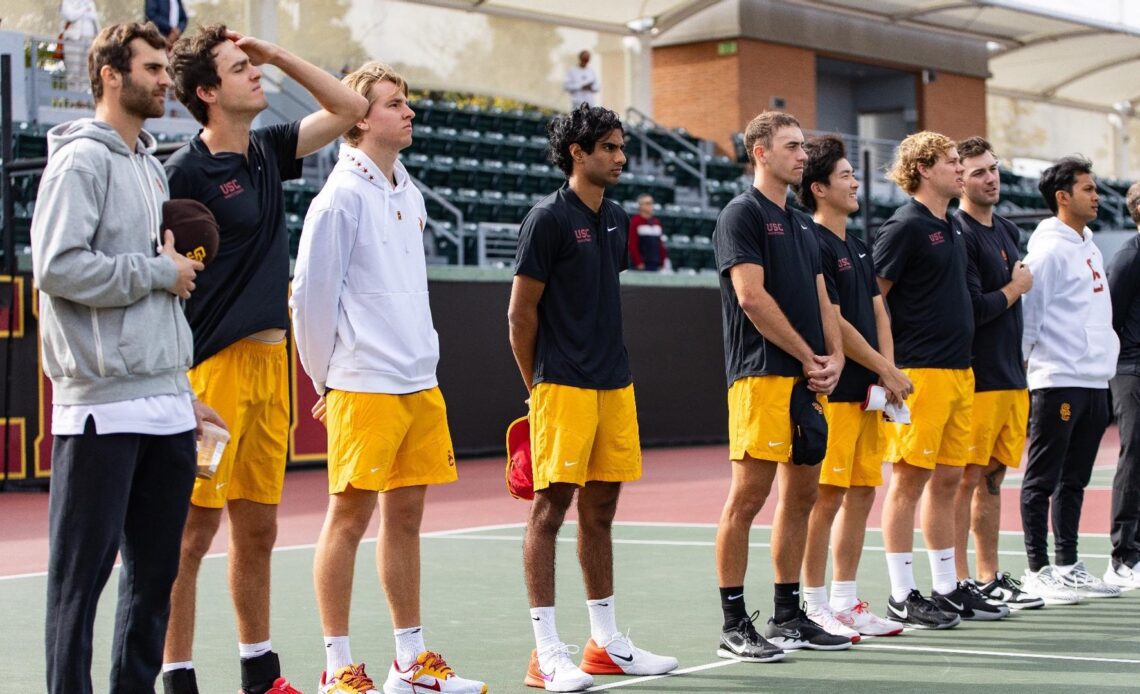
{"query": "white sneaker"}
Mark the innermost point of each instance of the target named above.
(826, 619)
(429, 672)
(619, 656)
(1045, 585)
(860, 618)
(560, 674)
(1125, 577)
(1084, 584)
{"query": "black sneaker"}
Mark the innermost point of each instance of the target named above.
(800, 632)
(920, 612)
(1007, 589)
(966, 602)
(744, 643)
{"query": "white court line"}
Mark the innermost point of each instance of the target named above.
(662, 524)
(705, 543)
(650, 678)
(1002, 654)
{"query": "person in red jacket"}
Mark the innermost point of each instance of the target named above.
(646, 244)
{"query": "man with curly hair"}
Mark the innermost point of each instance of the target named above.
(566, 335)
(920, 259)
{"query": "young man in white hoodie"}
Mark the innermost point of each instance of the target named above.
(1071, 350)
(364, 333)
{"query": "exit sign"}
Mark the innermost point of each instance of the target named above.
(726, 48)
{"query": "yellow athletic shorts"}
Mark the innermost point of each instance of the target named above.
(247, 384)
(580, 435)
(760, 419)
(379, 441)
(941, 420)
(854, 447)
(1001, 418)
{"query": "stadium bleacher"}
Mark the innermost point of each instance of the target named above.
(491, 164)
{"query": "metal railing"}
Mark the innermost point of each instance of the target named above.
(641, 124)
(439, 228)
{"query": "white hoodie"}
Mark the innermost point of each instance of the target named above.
(1068, 338)
(360, 295)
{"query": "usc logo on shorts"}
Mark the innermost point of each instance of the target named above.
(818, 408)
(1066, 412)
(198, 254)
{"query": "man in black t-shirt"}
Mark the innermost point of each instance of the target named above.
(780, 330)
(996, 279)
(239, 315)
(566, 335)
(920, 258)
(853, 465)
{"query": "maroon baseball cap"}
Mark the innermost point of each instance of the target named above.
(195, 229)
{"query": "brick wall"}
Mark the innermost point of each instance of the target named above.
(954, 105)
(713, 96)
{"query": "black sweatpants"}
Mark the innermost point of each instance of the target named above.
(1126, 483)
(1065, 428)
(113, 492)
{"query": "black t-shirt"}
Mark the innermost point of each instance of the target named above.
(753, 229)
(932, 318)
(991, 253)
(578, 254)
(1124, 288)
(244, 289)
(849, 273)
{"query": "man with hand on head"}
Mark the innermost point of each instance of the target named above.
(239, 316)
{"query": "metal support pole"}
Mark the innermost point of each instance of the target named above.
(868, 211)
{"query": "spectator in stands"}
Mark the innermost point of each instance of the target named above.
(116, 347)
(239, 317)
(566, 335)
(360, 293)
(1124, 288)
(582, 83)
(646, 244)
(80, 24)
(170, 18)
(1071, 350)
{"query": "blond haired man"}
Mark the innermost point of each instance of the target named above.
(365, 337)
(920, 260)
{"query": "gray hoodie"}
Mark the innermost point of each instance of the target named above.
(110, 329)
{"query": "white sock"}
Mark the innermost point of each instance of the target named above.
(942, 571)
(603, 620)
(169, 667)
(1066, 569)
(337, 654)
(900, 568)
(545, 630)
(409, 645)
(844, 595)
(815, 598)
(252, 650)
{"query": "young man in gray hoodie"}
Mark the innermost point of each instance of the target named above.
(116, 347)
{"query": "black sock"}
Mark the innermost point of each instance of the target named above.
(732, 605)
(787, 598)
(180, 681)
(258, 674)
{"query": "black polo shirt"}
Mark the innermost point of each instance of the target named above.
(1124, 289)
(578, 254)
(991, 253)
(932, 319)
(849, 273)
(245, 287)
(753, 229)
